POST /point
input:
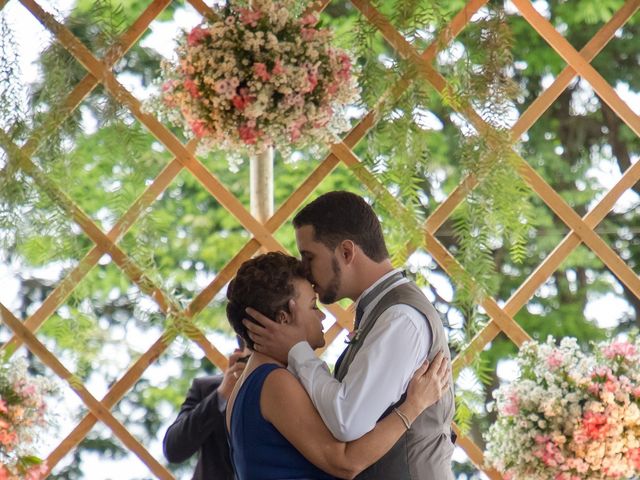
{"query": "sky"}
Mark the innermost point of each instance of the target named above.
(31, 38)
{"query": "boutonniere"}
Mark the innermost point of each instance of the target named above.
(353, 337)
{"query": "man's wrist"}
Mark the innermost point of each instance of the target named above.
(299, 353)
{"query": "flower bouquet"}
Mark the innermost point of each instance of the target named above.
(22, 414)
(569, 415)
(258, 76)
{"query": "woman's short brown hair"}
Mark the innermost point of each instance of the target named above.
(264, 283)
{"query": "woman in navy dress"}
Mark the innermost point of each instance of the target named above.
(275, 433)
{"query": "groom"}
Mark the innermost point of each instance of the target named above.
(397, 328)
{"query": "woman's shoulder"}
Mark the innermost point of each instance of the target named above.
(280, 385)
(281, 391)
(280, 377)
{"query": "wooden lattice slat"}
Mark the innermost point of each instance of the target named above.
(97, 409)
(579, 64)
(94, 232)
(562, 81)
(548, 194)
(501, 318)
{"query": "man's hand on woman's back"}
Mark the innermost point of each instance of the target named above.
(428, 384)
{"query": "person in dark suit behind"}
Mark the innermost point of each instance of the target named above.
(199, 426)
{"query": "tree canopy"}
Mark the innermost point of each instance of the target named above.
(103, 158)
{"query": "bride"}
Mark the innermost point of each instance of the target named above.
(274, 430)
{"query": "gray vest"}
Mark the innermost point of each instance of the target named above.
(424, 451)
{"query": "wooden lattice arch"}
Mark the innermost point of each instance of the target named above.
(582, 230)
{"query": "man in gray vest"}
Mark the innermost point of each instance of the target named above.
(396, 330)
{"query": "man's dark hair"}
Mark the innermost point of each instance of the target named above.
(264, 283)
(338, 216)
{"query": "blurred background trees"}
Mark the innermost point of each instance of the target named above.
(103, 158)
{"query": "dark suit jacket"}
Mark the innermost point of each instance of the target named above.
(200, 428)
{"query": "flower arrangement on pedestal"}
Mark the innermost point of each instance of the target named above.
(259, 76)
(22, 415)
(569, 415)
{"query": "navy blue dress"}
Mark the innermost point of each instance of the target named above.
(258, 450)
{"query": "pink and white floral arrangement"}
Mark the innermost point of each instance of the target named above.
(22, 415)
(259, 75)
(569, 415)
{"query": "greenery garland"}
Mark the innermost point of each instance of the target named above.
(397, 151)
(497, 210)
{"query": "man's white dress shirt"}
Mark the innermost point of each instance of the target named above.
(393, 350)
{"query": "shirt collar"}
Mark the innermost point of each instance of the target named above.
(374, 284)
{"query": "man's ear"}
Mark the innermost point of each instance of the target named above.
(347, 251)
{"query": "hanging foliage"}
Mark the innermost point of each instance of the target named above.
(398, 149)
(496, 211)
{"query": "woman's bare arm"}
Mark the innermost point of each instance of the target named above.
(285, 404)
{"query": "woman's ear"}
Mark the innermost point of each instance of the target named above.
(283, 317)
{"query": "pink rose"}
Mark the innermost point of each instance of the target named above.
(566, 476)
(242, 100)
(512, 406)
(196, 35)
(296, 128)
(345, 67)
(595, 425)
(169, 85)
(541, 438)
(37, 472)
(555, 359)
(332, 88)
(248, 135)
(249, 17)
(191, 87)
(308, 34)
(312, 77)
(602, 374)
(549, 453)
(28, 390)
(239, 102)
(7, 438)
(625, 350)
(277, 68)
(198, 127)
(309, 19)
(260, 69)
(634, 457)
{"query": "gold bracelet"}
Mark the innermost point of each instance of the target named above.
(403, 417)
